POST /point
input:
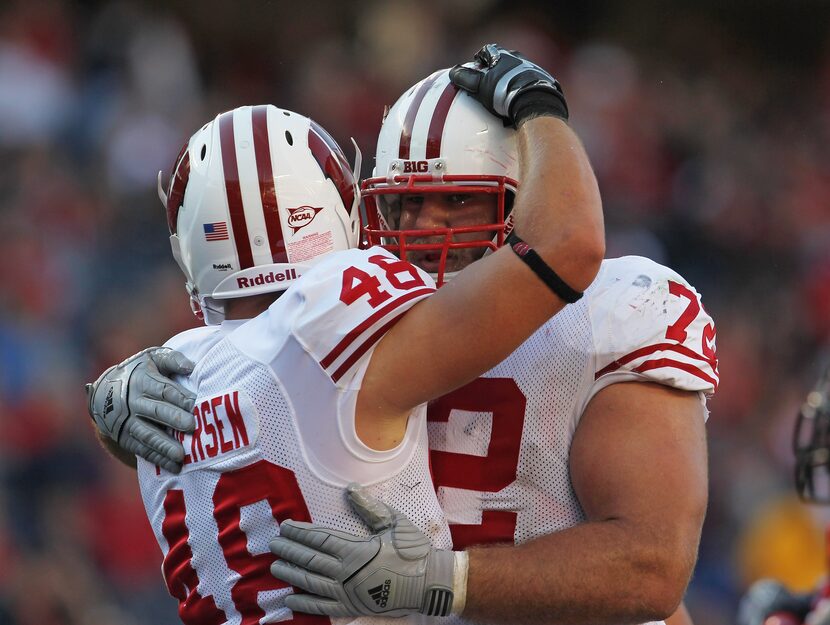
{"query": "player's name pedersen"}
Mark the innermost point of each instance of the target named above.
(223, 424)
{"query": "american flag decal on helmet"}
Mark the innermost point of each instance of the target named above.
(217, 231)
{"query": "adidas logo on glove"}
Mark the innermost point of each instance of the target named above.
(380, 594)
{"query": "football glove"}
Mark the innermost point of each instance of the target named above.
(134, 401)
(393, 572)
(769, 597)
(510, 86)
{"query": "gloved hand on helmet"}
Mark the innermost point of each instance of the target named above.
(510, 86)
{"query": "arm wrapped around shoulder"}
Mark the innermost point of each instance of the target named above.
(132, 402)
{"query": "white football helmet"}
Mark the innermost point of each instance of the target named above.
(811, 443)
(437, 139)
(254, 196)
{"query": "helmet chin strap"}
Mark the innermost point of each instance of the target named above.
(176, 248)
(213, 312)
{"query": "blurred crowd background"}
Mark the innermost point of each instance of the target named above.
(708, 126)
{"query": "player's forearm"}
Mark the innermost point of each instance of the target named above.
(605, 572)
(558, 210)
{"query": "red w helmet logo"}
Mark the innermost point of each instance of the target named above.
(333, 163)
(178, 182)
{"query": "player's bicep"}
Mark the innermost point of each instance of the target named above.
(639, 455)
(462, 331)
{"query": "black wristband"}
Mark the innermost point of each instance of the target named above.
(537, 103)
(541, 269)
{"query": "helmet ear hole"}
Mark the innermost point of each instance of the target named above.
(289, 138)
(203, 153)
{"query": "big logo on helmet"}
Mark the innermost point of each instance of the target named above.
(301, 216)
(411, 167)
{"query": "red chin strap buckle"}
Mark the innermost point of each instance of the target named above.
(196, 307)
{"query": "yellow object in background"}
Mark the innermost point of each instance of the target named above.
(784, 541)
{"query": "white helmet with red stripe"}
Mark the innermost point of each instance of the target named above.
(437, 139)
(255, 196)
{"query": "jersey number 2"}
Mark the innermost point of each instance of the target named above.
(491, 473)
(261, 481)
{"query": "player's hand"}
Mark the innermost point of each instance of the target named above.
(134, 401)
(393, 572)
(769, 597)
(510, 86)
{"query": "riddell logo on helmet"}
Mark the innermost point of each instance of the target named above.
(415, 167)
(302, 216)
(266, 278)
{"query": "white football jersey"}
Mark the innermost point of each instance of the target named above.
(275, 439)
(500, 445)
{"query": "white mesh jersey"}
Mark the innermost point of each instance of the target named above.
(275, 438)
(499, 446)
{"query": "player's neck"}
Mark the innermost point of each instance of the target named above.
(249, 307)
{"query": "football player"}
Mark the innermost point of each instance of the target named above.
(768, 601)
(585, 447)
(298, 384)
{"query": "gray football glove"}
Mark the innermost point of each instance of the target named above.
(393, 572)
(767, 597)
(510, 86)
(134, 401)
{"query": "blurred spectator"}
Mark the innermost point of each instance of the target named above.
(709, 137)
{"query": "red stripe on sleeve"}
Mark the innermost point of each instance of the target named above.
(265, 171)
(650, 349)
(659, 363)
(364, 347)
(369, 322)
(233, 192)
